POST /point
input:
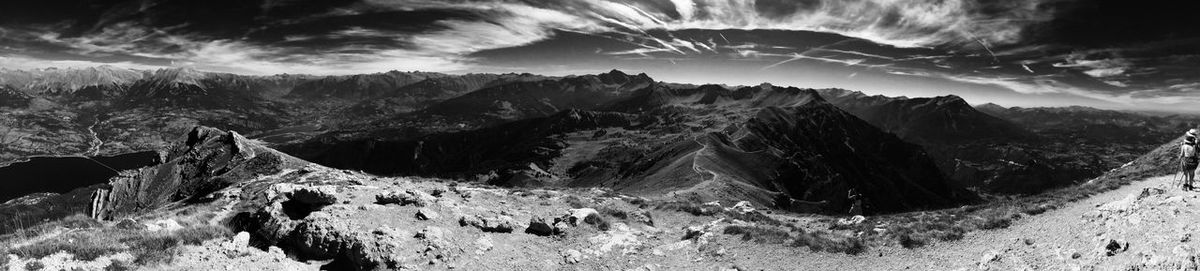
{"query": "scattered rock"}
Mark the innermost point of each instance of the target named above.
(1114, 247)
(572, 256)
(742, 207)
(854, 220)
(503, 224)
(541, 227)
(577, 216)
(426, 214)
(432, 233)
(164, 225)
(406, 197)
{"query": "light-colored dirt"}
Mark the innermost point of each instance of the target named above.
(1158, 227)
(1154, 227)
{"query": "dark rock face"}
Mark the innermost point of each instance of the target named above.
(207, 160)
(821, 153)
(977, 149)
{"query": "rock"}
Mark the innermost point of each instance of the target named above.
(426, 214)
(168, 225)
(742, 207)
(541, 227)
(406, 197)
(311, 195)
(432, 233)
(577, 216)
(386, 231)
(1029, 241)
(1129, 201)
(642, 216)
(712, 204)
(130, 224)
(694, 232)
(572, 256)
(483, 244)
(854, 220)
(1076, 255)
(503, 224)
(242, 239)
(1114, 247)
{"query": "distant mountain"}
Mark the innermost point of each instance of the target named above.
(66, 81)
(1096, 126)
(934, 120)
(359, 86)
(765, 144)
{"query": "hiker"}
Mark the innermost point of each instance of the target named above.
(1189, 158)
(856, 201)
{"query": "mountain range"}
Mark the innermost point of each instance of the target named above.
(803, 149)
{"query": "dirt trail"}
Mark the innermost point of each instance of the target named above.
(1158, 229)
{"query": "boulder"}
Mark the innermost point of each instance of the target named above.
(577, 216)
(501, 223)
(742, 207)
(168, 225)
(310, 195)
(854, 220)
(572, 256)
(1115, 246)
(406, 197)
(541, 227)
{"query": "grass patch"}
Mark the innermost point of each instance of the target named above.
(828, 242)
(768, 235)
(89, 241)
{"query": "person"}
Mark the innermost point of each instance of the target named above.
(856, 201)
(1189, 158)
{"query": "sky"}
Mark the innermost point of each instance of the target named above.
(1118, 54)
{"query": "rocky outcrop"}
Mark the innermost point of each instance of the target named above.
(205, 161)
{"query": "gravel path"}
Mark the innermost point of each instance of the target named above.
(1071, 238)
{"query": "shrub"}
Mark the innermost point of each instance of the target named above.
(908, 241)
(598, 221)
(759, 234)
(34, 265)
(690, 207)
(820, 241)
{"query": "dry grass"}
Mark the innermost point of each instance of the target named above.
(88, 240)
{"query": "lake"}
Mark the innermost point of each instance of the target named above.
(61, 174)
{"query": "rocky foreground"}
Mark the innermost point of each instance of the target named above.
(282, 213)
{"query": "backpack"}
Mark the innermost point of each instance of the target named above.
(1190, 151)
